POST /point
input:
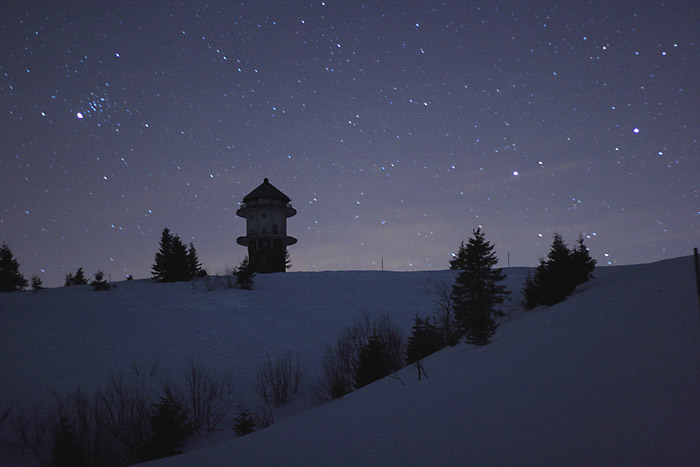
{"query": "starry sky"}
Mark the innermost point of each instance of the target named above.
(396, 127)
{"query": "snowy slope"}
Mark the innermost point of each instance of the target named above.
(63, 338)
(611, 376)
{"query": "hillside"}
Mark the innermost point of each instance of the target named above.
(609, 376)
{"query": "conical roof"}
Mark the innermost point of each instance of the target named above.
(267, 191)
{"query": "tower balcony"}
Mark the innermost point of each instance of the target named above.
(255, 204)
(286, 239)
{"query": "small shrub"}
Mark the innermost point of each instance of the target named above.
(278, 382)
(170, 427)
(244, 423)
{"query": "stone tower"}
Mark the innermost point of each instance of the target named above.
(266, 210)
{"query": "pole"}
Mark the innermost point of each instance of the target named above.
(697, 274)
(382, 263)
(509, 259)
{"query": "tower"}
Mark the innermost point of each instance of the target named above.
(266, 210)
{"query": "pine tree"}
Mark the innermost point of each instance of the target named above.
(37, 283)
(476, 293)
(10, 278)
(65, 451)
(459, 260)
(426, 338)
(170, 428)
(70, 280)
(557, 276)
(161, 269)
(374, 362)
(99, 282)
(244, 275)
(180, 261)
(244, 423)
(79, 278)
(193, 265)
(583, 265)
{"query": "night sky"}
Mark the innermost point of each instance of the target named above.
(395, 127)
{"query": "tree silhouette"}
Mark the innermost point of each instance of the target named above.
(557, 276)
(10, 278)
(476, 292)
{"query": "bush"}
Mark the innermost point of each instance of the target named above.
(207, 395)
(170, 427)
(278, 382)
(340, 362)
(244, 423)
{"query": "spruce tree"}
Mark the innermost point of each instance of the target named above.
(79, 278)
(162, 268)
(70, 280)
(244, 275)
(194, 267)
(582, 263)
(10, 278)
(99, 282)
(170, 428)
(66, 451)
(459, 260)
(557, 276)
(476, 292)
(426, 338)
(37, 283)
(244, 423)
(373, 363)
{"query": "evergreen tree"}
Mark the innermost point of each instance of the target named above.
(373, 363)
(244, 275)
(557, 276)
(476, 293)
(170, 428)
(99, 282)
(193, 265)
(426, 338)
(244, 423)
(65, 451)
(79, 278)
(180, 261)
(162, 268)
(583, 265)
(459, 260)
(174, 262)
(37, 283)
(70, 280)
(10, 278)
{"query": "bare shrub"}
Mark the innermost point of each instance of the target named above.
(229, 279)
(278, 381)
(263, 418)
(208, 395)
(211, 283)
(122, 412)
(79, 410)
(4, 415)
(444, 314)
(340, 361)
(28, 426)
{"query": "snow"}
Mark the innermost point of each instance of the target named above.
(610, 376)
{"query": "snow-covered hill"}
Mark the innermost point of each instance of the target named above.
(612, 375)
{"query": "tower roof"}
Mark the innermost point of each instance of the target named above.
(267, 191)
